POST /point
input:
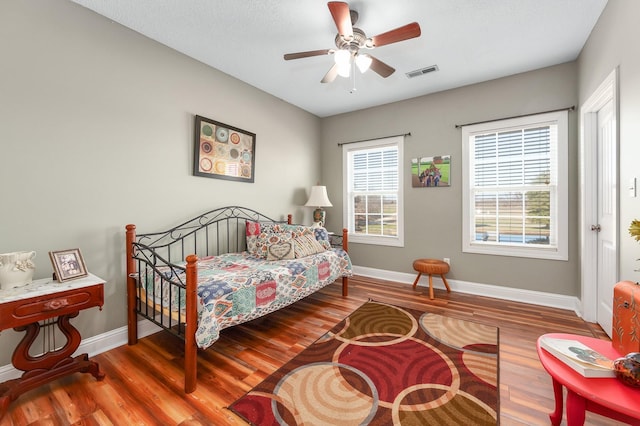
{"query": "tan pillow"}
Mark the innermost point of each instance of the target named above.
(306, 245)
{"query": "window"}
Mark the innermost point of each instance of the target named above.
(515, 187)
(373, 193)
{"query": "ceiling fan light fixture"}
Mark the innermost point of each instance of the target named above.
(342, 57)
(350, 39)
(344, 70)
(363, 62)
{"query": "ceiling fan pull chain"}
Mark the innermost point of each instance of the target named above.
(353, 73)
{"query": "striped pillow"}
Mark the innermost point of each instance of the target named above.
(306, 245)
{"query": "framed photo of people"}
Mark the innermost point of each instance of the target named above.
(68, 264)
(431, 172)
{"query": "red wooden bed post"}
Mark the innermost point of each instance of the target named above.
(289, 219)
(345, 247)
(132, 317)
(190, 348)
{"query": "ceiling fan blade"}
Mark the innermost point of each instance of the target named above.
(341, 16)
(405, 32)
(381, 68)
(307, 54)
(330, 75)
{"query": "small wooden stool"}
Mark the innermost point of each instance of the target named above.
(431, 266)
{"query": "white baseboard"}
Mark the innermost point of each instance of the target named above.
(552, 300)
(93, 345)
(118, 337)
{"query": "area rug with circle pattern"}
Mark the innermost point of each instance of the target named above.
(385, 365)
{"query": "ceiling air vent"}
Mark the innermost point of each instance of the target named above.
(422, 71)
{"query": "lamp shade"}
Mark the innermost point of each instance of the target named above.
(318, 197)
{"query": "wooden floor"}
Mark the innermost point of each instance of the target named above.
(143, 384)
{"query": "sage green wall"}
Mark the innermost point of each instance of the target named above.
(613, 43)
(96, 131)
(433, 217)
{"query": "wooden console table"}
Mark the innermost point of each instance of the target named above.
(39, 306)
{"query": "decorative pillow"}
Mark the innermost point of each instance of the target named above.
(255, 229)
(297, 230)
(265, 240)
(281, 251)
(259, 231)
(252, 231)
(306, 245)
(322, 235)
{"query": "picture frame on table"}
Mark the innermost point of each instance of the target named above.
(68, 264)
(222, 151)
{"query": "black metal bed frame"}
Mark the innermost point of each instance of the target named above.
(161, 255)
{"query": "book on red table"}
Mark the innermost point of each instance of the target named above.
(579, 357)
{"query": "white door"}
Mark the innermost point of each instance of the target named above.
(606, 227)
(598, 206)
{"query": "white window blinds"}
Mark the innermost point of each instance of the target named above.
(513, 185)
(373, 192)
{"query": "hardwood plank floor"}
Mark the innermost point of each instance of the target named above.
(143, 384)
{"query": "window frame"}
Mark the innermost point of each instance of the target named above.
(348, 215)
(559, 203)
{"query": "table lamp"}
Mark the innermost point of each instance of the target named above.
(318, 198)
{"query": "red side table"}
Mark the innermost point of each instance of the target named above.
(605, 396)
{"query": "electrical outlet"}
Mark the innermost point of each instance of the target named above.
(447, 260)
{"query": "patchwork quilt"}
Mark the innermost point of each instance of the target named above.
(234, 288)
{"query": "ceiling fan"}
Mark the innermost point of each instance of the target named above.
(349, 42)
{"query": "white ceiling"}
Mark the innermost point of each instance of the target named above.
(469, 40)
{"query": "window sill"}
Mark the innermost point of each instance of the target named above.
(517, 251)
(375, 240)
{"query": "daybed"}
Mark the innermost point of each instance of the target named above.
(223, 268)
